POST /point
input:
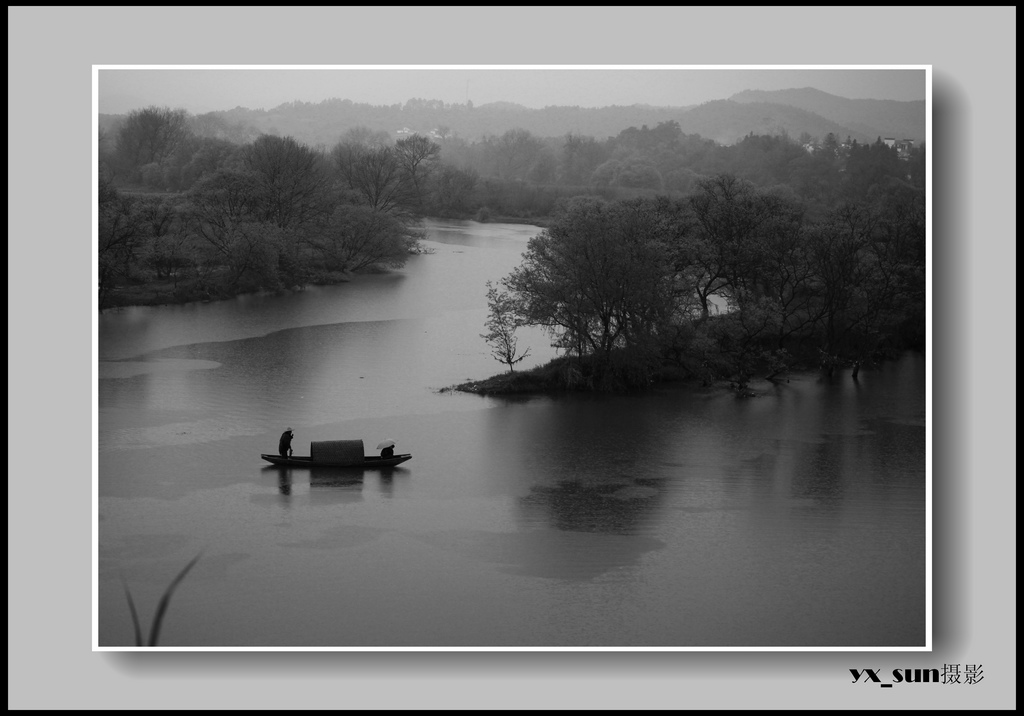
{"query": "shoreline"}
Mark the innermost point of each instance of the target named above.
(166, 293)
(545, 380)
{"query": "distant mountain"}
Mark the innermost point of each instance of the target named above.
(727, 122)
(792, 112)
(872, 118)
(325, 122)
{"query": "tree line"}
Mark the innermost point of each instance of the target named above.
(195, 207)
(265, 215)
(520, 174)
(722, 120)
(729, 282)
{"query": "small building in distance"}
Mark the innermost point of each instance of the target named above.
(405, 132)
(904, 147)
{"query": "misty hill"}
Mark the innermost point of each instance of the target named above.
(727, 122)
(792, 112)
(724, 121)
(324, 122)
(872, 118)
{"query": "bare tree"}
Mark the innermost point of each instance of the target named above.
(418, 157)
(291, 178)
(374, 174)
(502, 323)
(122, 231)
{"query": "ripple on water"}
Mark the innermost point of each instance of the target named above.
(111, 369)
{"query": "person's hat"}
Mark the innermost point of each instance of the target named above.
(288, 430)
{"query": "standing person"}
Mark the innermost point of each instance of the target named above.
(284, 447)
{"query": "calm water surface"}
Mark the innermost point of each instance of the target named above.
(679, 518)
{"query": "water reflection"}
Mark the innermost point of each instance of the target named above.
(284, 481)
(335, 485)
(387, 483)
(284, 476)
(820, 471)
(597, 464)
(386, 477)
(603, 506)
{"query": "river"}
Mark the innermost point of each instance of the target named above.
(680, 518)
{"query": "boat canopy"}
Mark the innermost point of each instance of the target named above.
(337, 451)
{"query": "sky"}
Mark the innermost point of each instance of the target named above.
(211, 88)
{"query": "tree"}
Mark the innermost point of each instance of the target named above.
(916, 167)
(226, 211)
(544, 169)
(840, 271)
(740, 335)
(731, 217)
(373, 174)
(223, 198)
(213, 125)
(418, 157)
(357, 236)
(365, 137)
(502, 322)
(871, 168)
(829, 148)
(580, 157)
(604, 280)
(121, 232)
(167, 248)
(207, 156)
(150, 136)
(106, 155)
(251, 258)
(636, 173)
(453, 188)
(892, 292)
(786, 278)
(662, 138)
(514, 153)
(291, 180)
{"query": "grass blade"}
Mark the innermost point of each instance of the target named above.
(135, 614)
(166, 599)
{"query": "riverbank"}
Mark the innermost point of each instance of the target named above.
(166, 292)
(541, 221)
(551, 378)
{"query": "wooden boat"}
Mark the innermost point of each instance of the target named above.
(337, 453)
(369, 461)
